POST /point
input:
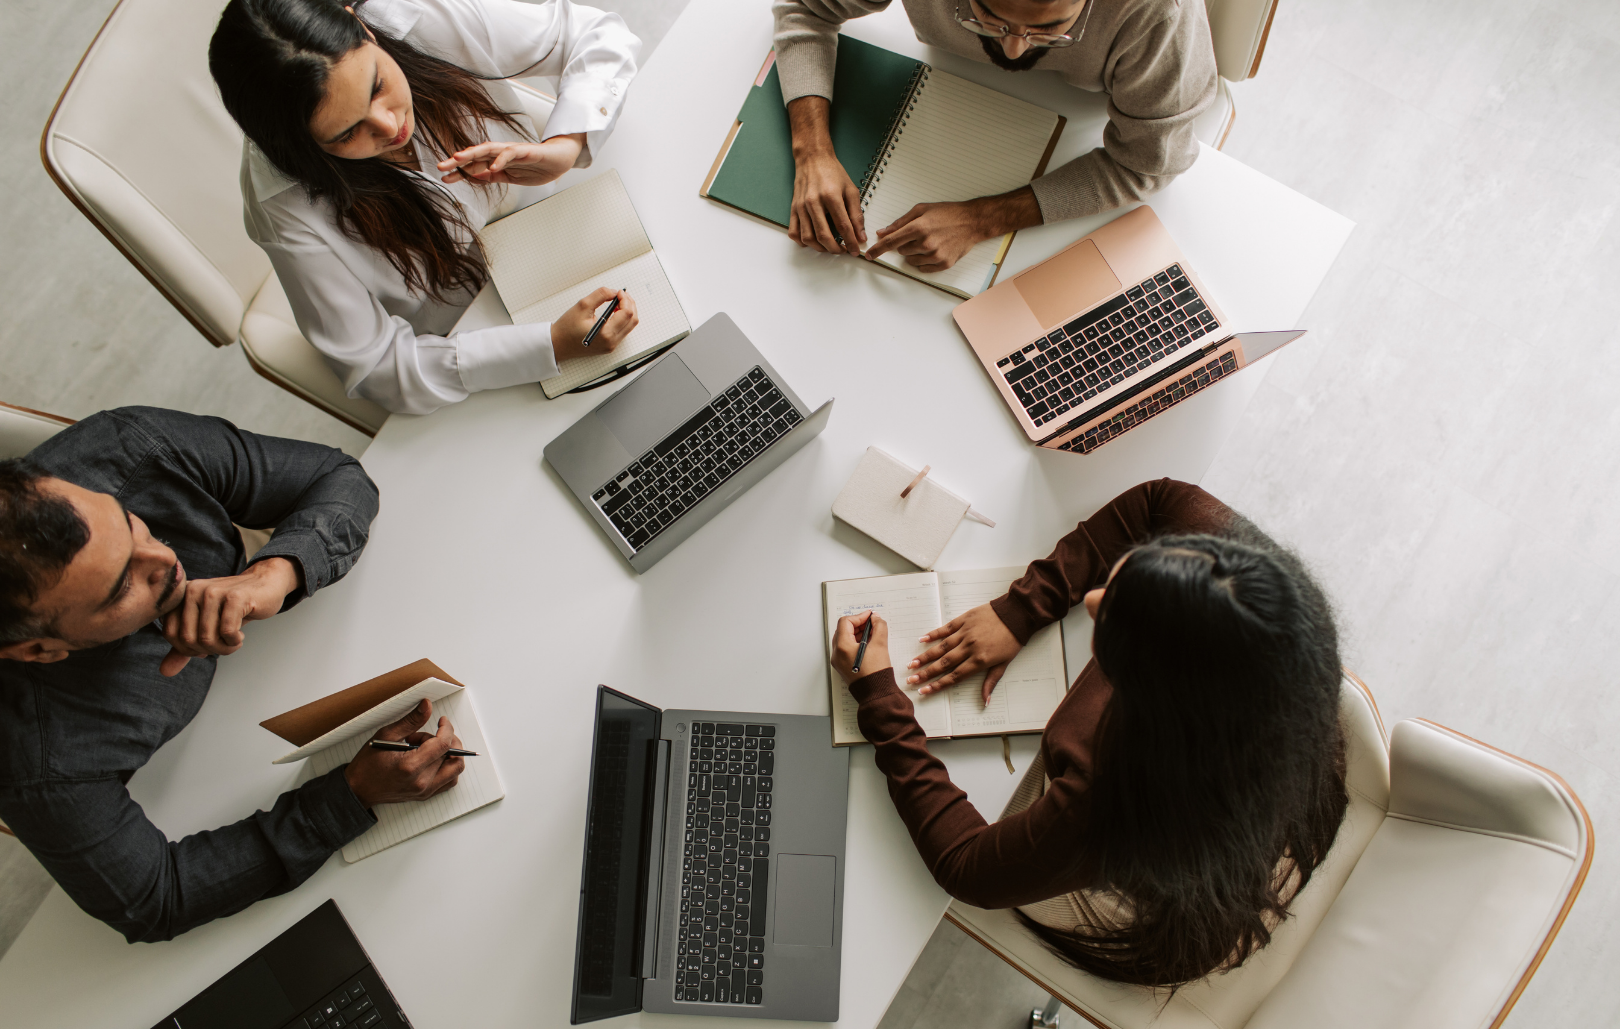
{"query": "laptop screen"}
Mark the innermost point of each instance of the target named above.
(613, 882)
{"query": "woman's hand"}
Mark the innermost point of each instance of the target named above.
(847, 642)
(516, 164)
(568, 331)
(977, 641)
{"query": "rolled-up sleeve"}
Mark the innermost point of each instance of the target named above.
(806, 42)
(586, 56)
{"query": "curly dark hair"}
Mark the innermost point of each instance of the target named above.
(40, 534)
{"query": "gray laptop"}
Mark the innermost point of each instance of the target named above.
(713, 881)
(668, 452)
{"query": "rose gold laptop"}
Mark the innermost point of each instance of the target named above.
(1105, 334)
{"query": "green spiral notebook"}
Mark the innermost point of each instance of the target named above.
(907, 134)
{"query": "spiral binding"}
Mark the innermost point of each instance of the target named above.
(902, 115)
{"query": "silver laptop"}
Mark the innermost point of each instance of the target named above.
(661, 457)
(713, 880)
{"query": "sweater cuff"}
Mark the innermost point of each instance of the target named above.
(1069, 191)
(504, 355)
(870, 687)
(304, 549)
(805, 68)
(334, 810)
(1019, 620)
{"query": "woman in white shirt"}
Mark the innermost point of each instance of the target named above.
(380, 138)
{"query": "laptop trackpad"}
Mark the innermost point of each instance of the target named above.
(804, 900)
(646, 410)
(1067, 284)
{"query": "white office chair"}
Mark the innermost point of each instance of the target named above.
(141, 144)
(1453, 871)
(1239, 29)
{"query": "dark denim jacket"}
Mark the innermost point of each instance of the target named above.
(72, 733)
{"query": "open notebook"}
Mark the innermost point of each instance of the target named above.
(913, 604)
(907, 133)
(548, 256)
(330, 731)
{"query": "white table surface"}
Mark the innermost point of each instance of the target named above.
(482, 562)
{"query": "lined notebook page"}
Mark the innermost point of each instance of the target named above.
(962, 141)
(1036, 679)
(548, 256)
(479, 784)
(910, 604)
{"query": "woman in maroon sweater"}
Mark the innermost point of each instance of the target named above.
(1194, 773)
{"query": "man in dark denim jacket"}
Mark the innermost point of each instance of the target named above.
(122, 578)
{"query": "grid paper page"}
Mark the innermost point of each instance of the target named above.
(962, 141)
(1036, 679)
(553, 245)
(366, 724)
(661, 319)
(479, 784)
(910, 604)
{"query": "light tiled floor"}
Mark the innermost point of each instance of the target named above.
(1442, 447)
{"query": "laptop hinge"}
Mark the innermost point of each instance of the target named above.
(1183, 364)
(653, 839)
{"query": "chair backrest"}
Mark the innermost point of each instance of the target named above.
(141, 143)
(1239, 29)
(1226, 1001)
(1456, 900)
(22, 429)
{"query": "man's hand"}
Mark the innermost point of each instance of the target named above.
(396, 776)
(977, 641)
(569, 330)
(515, 164)
(826, 204)
(932, 237)
(210, 616)
(847, 643)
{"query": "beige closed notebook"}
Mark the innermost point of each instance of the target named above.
(918, 602)
(329, 732)
(550, 255)
(916, 526)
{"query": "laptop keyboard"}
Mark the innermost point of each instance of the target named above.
(1160, 400)
(692, 461)
(1107, 345)
(348, 1007)
(726, 864)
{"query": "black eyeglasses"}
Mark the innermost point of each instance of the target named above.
(1054, 40)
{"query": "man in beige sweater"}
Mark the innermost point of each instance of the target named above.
(1153, 58)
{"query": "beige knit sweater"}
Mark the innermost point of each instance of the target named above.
(1153, 58)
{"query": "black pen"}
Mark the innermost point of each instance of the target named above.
(866, 637)
(612, 306)
(402, 745)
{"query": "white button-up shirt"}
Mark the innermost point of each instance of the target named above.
(387, 343)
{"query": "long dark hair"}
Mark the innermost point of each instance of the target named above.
(1219, 777)
(271, 60)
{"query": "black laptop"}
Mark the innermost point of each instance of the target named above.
(313, 976)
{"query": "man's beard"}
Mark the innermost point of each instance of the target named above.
(168, 590)
(998, 56)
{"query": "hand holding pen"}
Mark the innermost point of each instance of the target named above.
(429, 764)
(860, 646)
(582, 330)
